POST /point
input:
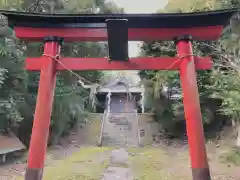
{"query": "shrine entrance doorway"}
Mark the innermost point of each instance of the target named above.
(121, 104)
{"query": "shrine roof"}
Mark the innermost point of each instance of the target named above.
(162, 20)
(116, 86)
(117, 81)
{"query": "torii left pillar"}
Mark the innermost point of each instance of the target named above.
(42, 116)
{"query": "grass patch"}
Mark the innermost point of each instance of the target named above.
(232, 157)
(150, 163)
(83, 165)
(93, 130)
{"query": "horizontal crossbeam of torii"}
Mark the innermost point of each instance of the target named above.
(118, 29)
(147, 63)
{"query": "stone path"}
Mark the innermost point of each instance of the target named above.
(118, 168)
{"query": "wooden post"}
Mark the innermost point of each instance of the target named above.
(196, 140)
(109, 101)
(42, 116)
(142, 99)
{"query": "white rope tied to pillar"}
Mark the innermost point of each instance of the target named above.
(92, 86)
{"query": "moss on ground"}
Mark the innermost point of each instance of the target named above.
(93, 129)
(151, 163)
(148, 163)
(232, 157)
(86, 164)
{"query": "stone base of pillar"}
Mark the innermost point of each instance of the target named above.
(33, 174)
(201, 174)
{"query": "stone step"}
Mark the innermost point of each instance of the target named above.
(117, 121)
(121, 117)
(129, 141)
(121, 114)
(104, 144)
(123, 129)
(121, 136)
(120, 130)
(114, 143)
(120, 133)
(120, 139)
(117, 131)
(119, 143)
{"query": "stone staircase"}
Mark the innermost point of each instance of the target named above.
(120, 130)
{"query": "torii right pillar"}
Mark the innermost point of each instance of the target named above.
(195, 133)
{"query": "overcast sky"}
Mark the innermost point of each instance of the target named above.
(139, 6)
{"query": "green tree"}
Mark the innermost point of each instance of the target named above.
(71, 97)
(226, 76)
(156, 80)
(12, 75)
(12, 85)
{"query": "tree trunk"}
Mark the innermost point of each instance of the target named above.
(238, 135)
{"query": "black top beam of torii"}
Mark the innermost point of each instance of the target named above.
(118, 25)
(160, 20)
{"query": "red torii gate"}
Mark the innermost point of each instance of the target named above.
(117, 29)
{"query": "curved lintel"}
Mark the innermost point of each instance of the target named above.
(93, 26)
(158, 20)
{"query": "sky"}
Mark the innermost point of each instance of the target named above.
(139, 6)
